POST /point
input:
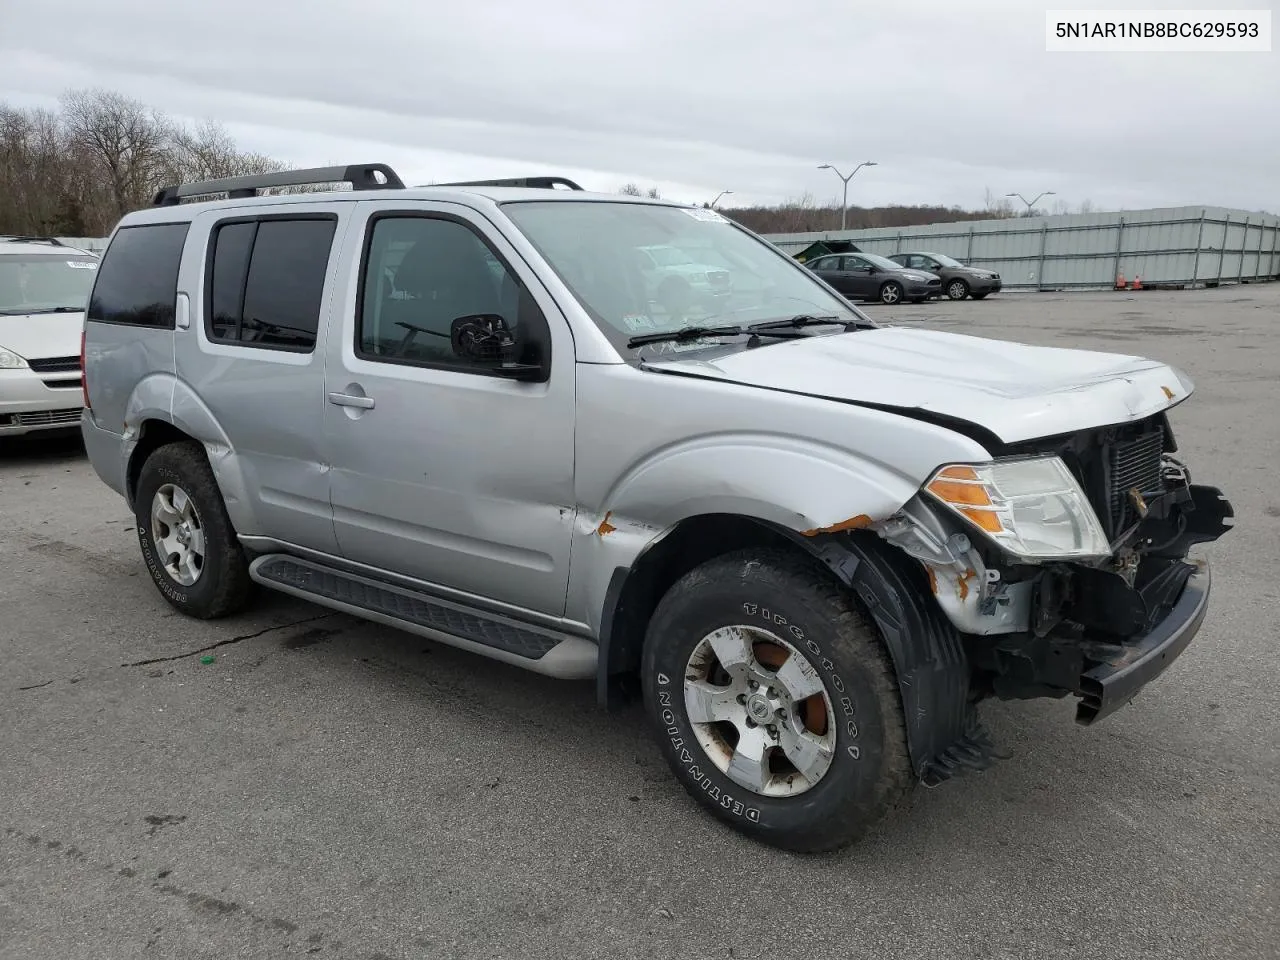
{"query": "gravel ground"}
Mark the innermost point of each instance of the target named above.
(334, 789)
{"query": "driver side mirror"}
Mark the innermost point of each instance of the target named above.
(486, 340)
(873, 269)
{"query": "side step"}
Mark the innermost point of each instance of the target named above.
(490, 635)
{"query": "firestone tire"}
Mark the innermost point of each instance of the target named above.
(176, 488)
(791, 597)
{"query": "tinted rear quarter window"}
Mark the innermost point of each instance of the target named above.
(137, 281)
(267, 281)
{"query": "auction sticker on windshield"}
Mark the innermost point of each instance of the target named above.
(701, 213)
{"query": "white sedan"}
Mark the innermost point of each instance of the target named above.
(44, 289)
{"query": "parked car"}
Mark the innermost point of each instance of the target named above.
(44, 286)
(809, 543)
(866, 276)
(677, 281)
(958, 280)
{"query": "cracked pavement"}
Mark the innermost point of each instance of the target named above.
(331, 788)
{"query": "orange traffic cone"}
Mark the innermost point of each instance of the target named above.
(1120, 284)
(1137, 282)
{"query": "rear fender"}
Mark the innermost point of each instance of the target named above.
(163, 397)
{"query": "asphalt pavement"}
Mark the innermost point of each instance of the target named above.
(330, 788)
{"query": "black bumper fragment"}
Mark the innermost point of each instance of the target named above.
(1111, 684)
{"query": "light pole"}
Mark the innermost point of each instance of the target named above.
(1031, 204)
(844, 204)
(718, 196)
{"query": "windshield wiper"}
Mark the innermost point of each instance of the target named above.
(685, 334)
(808, 320)
(32, 313)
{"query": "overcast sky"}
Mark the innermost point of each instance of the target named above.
(949, 98)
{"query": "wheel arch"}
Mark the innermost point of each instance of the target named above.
(169, 411)
(927, 652)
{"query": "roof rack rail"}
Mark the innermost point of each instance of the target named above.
(538, 183)
(53, 241)
(361, 176)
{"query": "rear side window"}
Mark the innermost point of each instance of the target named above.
(137, 280)
(266, 281)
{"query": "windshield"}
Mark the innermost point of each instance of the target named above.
(884, 263)
(667, 256)
(946, 261)
(45, 284)
(605, 253)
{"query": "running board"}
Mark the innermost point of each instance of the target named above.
(534, 648)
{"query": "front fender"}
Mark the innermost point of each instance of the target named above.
(786, 482)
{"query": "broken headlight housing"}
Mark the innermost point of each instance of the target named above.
(1032, 507)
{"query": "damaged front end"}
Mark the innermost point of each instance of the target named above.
(1111, 600)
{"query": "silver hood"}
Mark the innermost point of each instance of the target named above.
(1017, 392)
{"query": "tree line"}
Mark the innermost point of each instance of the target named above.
(74, 171)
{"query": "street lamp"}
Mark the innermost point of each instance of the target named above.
(1031, 203)
(844, 205)
(718, 196)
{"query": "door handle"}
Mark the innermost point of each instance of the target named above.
(347, 400)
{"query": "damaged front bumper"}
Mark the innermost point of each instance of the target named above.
(1117, 675)
(1101, 632)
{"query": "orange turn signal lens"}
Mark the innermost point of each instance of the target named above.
(960, 494)
(959, 473)
(985, 519)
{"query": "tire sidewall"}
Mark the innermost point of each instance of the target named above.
(853, 781)
(964, 289)
(892, 284)
(156, 472)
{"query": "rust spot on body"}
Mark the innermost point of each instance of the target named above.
(606, 527)
(861, 521)
(1167, 392)
(933, 578)
(962, 582)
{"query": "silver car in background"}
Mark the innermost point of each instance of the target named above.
(44, 286)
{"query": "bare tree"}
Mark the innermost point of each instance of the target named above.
(76, 171)
(127, 140)
(1086, 206)
(996, 207)
(630, 190)
(653, 194)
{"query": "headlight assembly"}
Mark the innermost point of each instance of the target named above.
(10, 360)
(1032, 507)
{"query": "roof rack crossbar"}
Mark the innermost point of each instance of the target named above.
(361, 176)
(537, 183)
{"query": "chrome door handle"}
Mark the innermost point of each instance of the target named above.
(347, 400)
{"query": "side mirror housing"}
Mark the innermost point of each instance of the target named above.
(485, 339)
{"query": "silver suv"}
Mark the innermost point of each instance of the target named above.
(809, 542)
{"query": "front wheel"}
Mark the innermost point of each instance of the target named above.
(775, 702)
(957, 290)
(891, 292)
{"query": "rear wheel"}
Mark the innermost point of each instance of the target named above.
(957, 290)
(187, 539)
(775, 702)
(891, 292)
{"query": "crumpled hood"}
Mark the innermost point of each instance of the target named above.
(42, 335)
(1016, 391)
